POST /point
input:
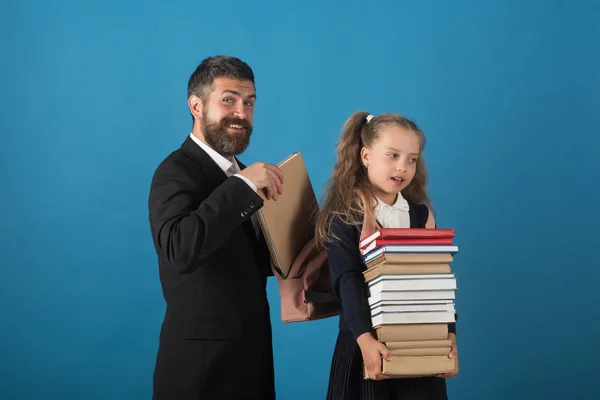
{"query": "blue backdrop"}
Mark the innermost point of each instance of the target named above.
(94, 97)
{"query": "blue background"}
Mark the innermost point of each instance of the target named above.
(94, 97)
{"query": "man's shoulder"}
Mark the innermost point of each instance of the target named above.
(176, 163)
(177, 158)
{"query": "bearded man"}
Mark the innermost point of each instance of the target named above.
(215, 341)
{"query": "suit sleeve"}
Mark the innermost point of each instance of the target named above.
(185, 231)
(346, 266)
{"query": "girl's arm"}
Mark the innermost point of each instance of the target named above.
(346, 266)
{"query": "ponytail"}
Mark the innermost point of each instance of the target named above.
(349, 164)
(348, 191)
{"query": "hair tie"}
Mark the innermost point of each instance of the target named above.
(369, 117)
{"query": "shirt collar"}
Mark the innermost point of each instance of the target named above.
(221, 161)
(399, 204)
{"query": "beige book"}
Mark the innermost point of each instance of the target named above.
(385, 268)
(418, 366)
(416, 344)
(431, 351)
(409, 332)
(412, 258)
(288, 224)
(415, 366)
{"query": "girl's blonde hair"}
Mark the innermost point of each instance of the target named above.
(349, 190)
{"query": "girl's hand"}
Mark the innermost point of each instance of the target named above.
(453, 354)
(372, 351)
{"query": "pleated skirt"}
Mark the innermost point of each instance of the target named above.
(346, 380)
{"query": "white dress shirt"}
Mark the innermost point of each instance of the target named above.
(223, 163)
(394, 216)
(231, 168)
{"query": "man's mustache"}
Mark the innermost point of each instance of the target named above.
(236, 121)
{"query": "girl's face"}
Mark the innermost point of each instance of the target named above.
(391, 161)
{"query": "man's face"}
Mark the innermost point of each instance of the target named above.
(227, 116)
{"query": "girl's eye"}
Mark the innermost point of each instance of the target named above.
(413, 160)
(392, 155)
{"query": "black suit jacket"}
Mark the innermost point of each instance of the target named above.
(215, 341)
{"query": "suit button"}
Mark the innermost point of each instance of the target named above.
(251, 205)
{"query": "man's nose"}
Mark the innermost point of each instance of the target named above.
(240, 111)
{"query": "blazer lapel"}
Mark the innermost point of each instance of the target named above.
(210, 168)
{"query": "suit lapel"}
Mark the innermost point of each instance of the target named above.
(209, 166)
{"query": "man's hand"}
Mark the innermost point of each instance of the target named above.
(266, 177)
(372, 351)
(453, 354)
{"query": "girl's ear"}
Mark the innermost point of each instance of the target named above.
(364, 156)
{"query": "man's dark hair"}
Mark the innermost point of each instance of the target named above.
(200, 83)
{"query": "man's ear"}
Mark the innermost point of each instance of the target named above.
(196, 106)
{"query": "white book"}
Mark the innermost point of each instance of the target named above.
(374, 303)
(402, 285)
(451, 249)
(394, 277)
(431, 317)
(413, 295)
(393, 308)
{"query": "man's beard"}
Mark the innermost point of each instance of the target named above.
(225, 143)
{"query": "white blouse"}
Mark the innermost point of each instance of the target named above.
(394, 216)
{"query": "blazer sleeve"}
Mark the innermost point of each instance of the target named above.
(186, 229)
(346, 266)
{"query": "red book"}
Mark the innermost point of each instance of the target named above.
(418, 241)
(426, 241)
(408, 233)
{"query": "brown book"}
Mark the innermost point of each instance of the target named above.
(411, 332)
(416, 344)
(288, 224)
(411, 258)
(385, 268)
(415, 366)
(425, 351)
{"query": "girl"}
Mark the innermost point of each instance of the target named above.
(379, 164)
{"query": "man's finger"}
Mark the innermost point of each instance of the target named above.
(272, 189)
(276, 182)
(268, 189)
(275, 170)
(273, 185)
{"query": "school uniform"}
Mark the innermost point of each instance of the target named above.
(346, 380)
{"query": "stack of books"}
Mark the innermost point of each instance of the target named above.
(411, 295)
